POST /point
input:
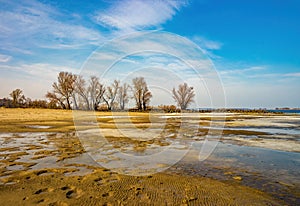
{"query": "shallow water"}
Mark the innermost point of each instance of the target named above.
(39, 126)
(36, 151)
(273, 171)
(271, 130)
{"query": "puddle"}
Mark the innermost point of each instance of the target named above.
(81, 171)
(38, 126)
(35, 151)
(43, 163)
(118, 117)
(15, 167)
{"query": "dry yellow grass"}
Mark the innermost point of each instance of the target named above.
(25, 120)
(21, 120)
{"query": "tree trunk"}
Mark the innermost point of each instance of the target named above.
(68, 103)
(87, 103)
(95, 107)
(62, 105)
(122, 105)
(75, 102)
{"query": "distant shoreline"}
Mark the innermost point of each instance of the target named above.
(199, 110)
(232, 110)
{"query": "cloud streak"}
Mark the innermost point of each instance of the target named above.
(40, 71)
(38, 24)
(138, 14)
(34, 79)
(244, 70)
(207, 44)
(4, 58)
(297, 74)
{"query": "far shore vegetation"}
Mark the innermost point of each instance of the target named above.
(72, 91)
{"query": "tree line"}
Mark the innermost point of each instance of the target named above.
(72, 91)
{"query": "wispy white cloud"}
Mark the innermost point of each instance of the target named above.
(207, 44)
(40, 71)
(154, 49)
(34, 79)
(41, 26)
(262, 72)
(138, 14)
(297, 74)
(247, 70)
(5, 58)
(259, 86)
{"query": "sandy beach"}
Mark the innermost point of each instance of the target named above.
(44, 162)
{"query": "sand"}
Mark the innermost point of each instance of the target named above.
(41, 172)
(102, 187)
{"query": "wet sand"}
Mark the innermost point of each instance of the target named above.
(43, 162)
(102, 187)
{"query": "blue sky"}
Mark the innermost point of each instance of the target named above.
(254, 45)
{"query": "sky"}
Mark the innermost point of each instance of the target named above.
(253, 45)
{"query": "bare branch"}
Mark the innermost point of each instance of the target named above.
(142, 95)
(96, 91)
(111, 93)
(184, 96)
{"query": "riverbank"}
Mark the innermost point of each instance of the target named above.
(42, 161)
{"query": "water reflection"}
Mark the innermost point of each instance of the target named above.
(274, 171)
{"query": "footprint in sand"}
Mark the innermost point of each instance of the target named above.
(103, 181)
(44, 190)
(108, 194)
(40, 191)
(72, 192)
(65, 188)
(38, 173)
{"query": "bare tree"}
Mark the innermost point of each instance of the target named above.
(54, 100)
(110, 94)
(82, 91)
(96, 91)
(184, 96)
(142, 95)
(123, 96)
(146, 98)
(63, 89)
(17, 97)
